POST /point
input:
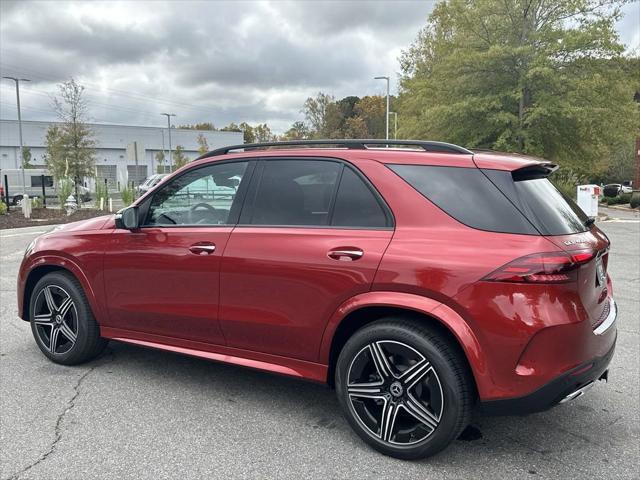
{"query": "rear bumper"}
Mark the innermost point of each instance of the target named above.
(568, 386)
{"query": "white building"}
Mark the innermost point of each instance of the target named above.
(113, 162)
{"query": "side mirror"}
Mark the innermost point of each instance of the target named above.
(127, 218)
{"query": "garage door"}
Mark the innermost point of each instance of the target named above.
(137, 175)
(109, 172)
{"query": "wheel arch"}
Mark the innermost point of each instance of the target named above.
(372, 306)
(46, 265)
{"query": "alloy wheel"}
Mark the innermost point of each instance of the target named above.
(395, 392)
(56, 319)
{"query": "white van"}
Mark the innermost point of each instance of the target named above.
(33, 179)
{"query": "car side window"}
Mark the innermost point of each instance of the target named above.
(202, 196)
(356, 205)
(295, 192)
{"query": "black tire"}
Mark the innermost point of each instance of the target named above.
(16, 199)
(88, 344)
(454, 381)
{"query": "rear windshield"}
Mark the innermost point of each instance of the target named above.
(552, 212)
(467, 195)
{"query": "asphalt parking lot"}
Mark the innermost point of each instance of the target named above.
(142, 414)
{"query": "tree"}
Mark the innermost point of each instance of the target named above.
(55, 156)
(160, 160)
(298, 131)
(372, 110)
(262, 133)
(245, 128)
(533, 76)
(203, 145)
(26, 158)
(315, 112)
(199, 126)
(179, 158)
(71, 146)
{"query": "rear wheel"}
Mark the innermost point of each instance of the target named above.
(62, 322)
(404, 389)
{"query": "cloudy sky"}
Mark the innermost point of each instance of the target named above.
(210, 61)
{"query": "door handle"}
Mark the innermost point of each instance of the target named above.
(347, 254)
(204, 248)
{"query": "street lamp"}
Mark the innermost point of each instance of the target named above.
(169, 115)
(387, 120)
(18, 80)
(395, 124)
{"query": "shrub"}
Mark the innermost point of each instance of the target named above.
(65, 188)
(3, 208)
(566, 180)
(128, 196)
(621, 199)
(624, 198)
(36, 202)
(101, 192)
(635, 199)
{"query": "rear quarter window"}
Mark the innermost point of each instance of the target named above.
(552, 212)
(467, 195)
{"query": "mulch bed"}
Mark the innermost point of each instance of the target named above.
(45, 216)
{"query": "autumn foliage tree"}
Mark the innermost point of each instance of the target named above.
(544, 78)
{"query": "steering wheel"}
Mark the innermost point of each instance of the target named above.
(195, 207)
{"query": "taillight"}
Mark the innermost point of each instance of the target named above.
(553, 267)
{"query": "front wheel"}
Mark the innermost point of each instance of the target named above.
(404, 388)
(62, 322)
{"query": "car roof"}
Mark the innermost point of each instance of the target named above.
(480, 159)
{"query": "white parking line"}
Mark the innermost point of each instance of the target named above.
(620, 220)
(23, 234)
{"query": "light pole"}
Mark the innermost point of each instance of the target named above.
(169, 115)
(395, 124)
(18, 80)
(387, 120)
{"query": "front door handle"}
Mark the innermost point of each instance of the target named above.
(202, 248)
(346, 254)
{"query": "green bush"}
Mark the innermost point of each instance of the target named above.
(65, 188)
(567, 181)
(36, 202)
(3, 208)
(102, 192)
(128, 196)
(624, 198)
(621, 199)
(635, 200)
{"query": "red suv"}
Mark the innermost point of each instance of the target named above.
(421, 281)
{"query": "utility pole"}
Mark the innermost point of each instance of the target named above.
(387, 115)
(164, 151)
(636, 181)
(18, 80)
(169, 115)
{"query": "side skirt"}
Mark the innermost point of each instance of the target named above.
(219, 353)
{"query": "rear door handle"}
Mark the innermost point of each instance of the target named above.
(202, 248)
(346, 254)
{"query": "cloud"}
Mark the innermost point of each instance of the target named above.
(205, 61)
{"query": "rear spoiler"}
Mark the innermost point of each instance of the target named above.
(531, 172)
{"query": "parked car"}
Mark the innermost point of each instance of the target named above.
(353, 265)
(150, 182)
(34, 178)
(614, 189)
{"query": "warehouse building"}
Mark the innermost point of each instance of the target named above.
(115, 157)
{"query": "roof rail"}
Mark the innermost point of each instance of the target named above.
(351, 144)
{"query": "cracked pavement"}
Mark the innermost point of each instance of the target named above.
(141, 414)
